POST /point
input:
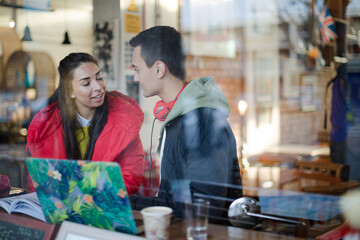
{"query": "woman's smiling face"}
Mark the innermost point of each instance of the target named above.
(88, 89)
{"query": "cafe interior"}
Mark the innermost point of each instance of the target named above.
(290, 70)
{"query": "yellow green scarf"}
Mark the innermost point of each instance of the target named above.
(82, 137)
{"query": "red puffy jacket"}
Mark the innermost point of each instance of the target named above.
(118, 142)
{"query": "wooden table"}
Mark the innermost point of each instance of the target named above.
(215, 231)
(177, 229)
(306, 151)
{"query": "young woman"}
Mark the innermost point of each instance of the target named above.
(84, 121)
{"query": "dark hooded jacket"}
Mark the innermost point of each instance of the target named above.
(198, 152)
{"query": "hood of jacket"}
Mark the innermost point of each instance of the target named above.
(200, 92)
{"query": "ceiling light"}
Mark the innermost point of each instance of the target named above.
(12, 23)
(66, 35)
(66, 38)
(27, 35)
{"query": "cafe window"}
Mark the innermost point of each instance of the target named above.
(293, 64)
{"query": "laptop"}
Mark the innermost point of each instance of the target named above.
(86, 192)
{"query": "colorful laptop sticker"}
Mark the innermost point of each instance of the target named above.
(91, 193)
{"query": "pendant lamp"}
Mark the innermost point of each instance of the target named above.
(66, 34)
(27, 35)
(12, 22)
(66, 38)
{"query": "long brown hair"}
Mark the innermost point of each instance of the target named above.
(67, 107)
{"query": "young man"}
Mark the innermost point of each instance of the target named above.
(196, 141)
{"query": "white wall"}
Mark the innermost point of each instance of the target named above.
(47, 28)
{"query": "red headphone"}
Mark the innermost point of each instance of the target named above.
(162, 109)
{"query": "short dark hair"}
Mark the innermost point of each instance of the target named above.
(162, 43)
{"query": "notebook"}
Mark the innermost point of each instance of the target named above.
(86, 192)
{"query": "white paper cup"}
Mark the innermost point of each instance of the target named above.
(157, 222)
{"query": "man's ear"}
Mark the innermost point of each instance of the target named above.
(160, 68)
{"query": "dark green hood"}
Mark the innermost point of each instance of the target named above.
(200, 92)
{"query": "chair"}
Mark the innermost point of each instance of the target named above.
(321, 158)
(330, 172)
(333, 169)
(324, 178)
(316, 174)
